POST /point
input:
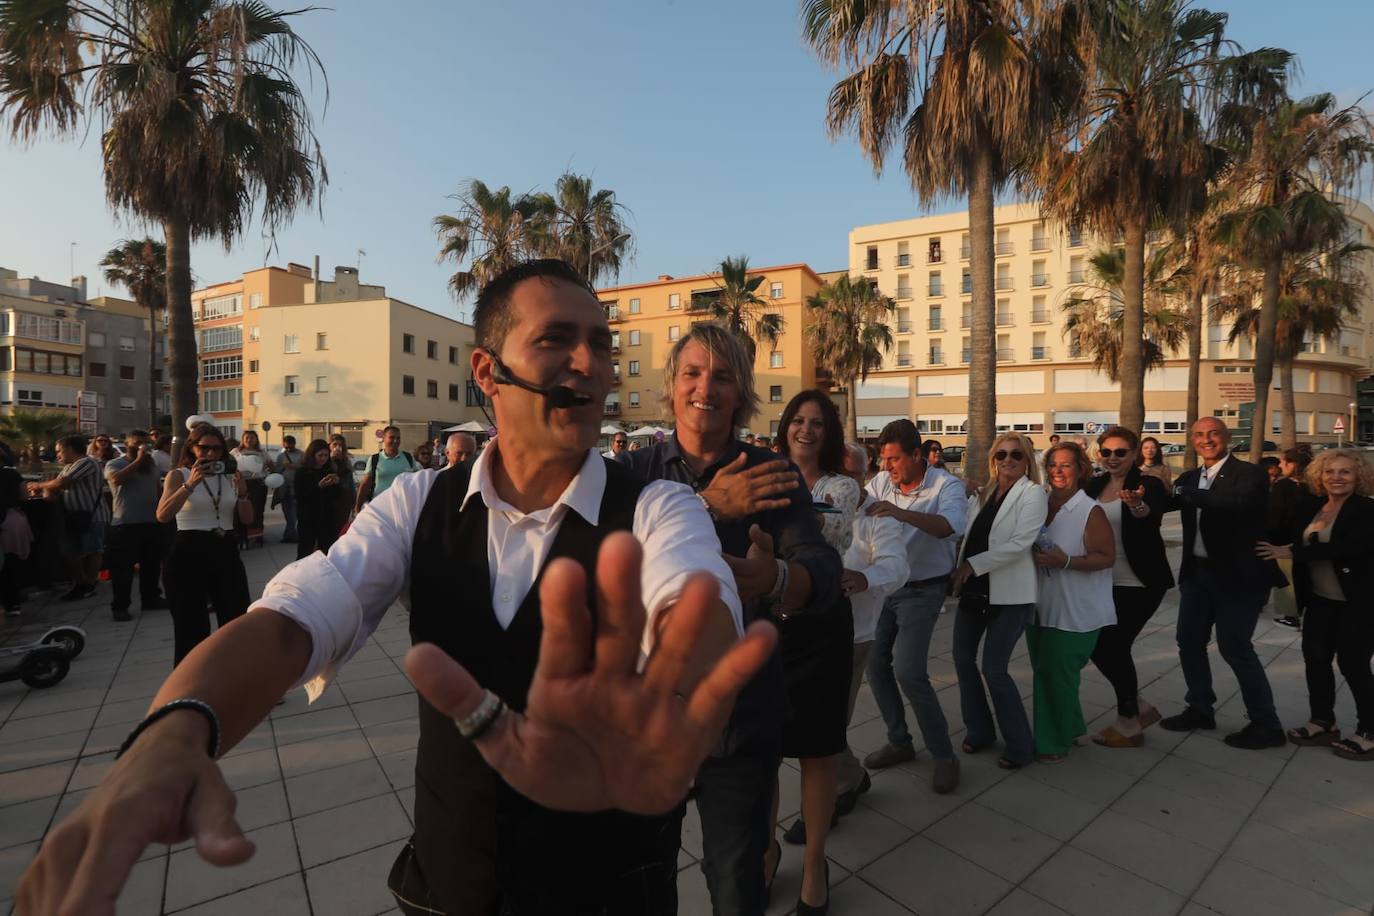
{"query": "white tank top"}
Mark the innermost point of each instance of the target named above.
(1122, 574)
(1072, 600)
(198, 513)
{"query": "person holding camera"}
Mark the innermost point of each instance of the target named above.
(206, 494)
(253, 466)
(318, 486)
(135, 538)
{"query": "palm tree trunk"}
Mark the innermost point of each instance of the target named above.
(182, 339)
(152, 367)
(1288, 426)
(982, 383)
(851, 406)
(1194, 370)
(1132, 370)
(1264, 353)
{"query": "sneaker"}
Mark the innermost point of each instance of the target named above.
(1256, 737)
(122, 614)
(1287, 620)
(946, 777)
(889, 755)
(78, 592)
(1187, 721)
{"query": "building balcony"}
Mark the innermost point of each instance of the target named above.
(1039, 280)
(935, 292)
(936, 358)
(1004, 284)
(966, 322)
(1004, 248)
(1076, 352)
(1075, 238)
(903, 260)
(1040, 317)
(1040, 353)
(935, 324)
(1040, 244)
(903, 292)
(615, 379)
(964, 355)
(903, 359)
(1004, 320)
(613, 313)
(904, 327)
(1005, 355)
(612, 410)
(871, 264)
(935, 257)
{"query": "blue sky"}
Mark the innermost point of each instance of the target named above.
(704, 117)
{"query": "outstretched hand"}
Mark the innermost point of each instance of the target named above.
(596, 733)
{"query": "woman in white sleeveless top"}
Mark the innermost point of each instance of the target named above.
(1075, 555)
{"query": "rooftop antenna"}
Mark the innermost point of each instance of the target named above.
(361, 254)
(71, 261)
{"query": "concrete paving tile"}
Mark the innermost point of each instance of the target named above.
(1147, 852)
(90, 770)
(1325, 824)
(1007, 848)
(252, 769)
(855, 895)
(126, 712)
(908, 799)
(191, 880)
(862, 837)
(26, 822)
(691, 831)
(73, 720)
(1215, 786)
(1327, 779)
(322, 753)
(142, 892)
(261, 806)
(283, 897)
(400, 769)
(105, 738)
(356, 670)
(387, 709)
(1040, 806)
(1237, 889)
(927, 878)
(693, 899)
(376, 688)
(1022, 903)
(1262, 767)
(1083, 776)
(1340, 872)
(13, 861)
(869, 736)
(59, 699)
(314, 792)
(1082, 884)
(342, 831)
(392, 737)
(1179, 815)
(35, 782)
(21, 755)
(315, 723)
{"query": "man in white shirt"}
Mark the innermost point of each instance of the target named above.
(931, 505)
(592, 726)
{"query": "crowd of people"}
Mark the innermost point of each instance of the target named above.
(576, 684)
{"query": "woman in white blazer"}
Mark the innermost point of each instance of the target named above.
(996, 582)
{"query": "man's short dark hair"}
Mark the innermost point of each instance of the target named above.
(286, 439)
(76, 443)
(491, 318)
(135, 434)
(391, 429)
(903, 432)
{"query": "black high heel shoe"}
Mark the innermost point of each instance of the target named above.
(806, 909)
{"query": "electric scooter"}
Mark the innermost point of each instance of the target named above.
(43, 663)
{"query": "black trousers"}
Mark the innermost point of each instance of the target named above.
(315, 533)
(1112, 656)
(1344, 631)
(12, 581)
(203, 570)
(126, 545)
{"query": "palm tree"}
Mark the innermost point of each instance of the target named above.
(1291, 158)
(584, 227)
(1318, 292)
(35, 430)
(736, 304)
(140, 265)
(969, 89)
(492, 231)
(1134, 156)
(1198, 279)
(849, 333)
(1096, 312)
(202, 119)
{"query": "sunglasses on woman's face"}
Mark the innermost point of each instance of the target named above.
(1014, 454)
(1113, 452)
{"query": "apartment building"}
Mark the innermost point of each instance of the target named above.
(1043, 383)
(648, 318)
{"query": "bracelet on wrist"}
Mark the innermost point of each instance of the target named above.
(1068, 560)
(212, 744)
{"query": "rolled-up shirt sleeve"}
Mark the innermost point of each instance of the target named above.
(952, 506)
(797, 539)
(886, 569)
(340, 598)
(679, 541)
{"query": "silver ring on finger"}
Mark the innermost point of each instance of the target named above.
(478, 722)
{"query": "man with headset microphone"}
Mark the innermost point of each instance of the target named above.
(565, 704)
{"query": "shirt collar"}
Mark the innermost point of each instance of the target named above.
(1212, 472)
(673, 452)
(582, 495)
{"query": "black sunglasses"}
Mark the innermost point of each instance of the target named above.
(1016, 455)
(1113, 452)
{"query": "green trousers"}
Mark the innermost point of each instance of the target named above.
(1057, 657)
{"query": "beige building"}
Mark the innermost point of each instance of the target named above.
(648, 318)
(1043, 384)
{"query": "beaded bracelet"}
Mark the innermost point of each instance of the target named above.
(183, 703)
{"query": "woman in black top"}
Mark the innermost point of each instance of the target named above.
(317, 501)
(1135, 504)
(1332, 548)
(1285, 498)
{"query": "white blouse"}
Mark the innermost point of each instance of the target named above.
(1071, 599)
(843, 493)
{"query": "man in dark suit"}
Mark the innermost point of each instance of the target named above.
(1223, 584)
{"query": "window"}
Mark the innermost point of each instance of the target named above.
(41, 327)
(293, 384)
(674, 301)
(453, 392)
(634, 398)
(634, 306)
(222, 307)
(95, 370)
(95, 339)
(322, 384)
(157, 377)
(292, 344)
(221, 400)
(252, 365)
(408, 384)
(126, 403)
(871, 258)
(407, 343)
(42, 361)
(225, 338)
(774, 290)
(6, 355)
(255, 333)
(634, 338)
(775, 394)
(674, 331)
(253, 398)
(775, 359)
(126, 343)
(431, 388)
(453, 357)
(255, 301)
(321, 340)
(634, 367)
(221, 367)
(127, 373)
(903, 254)
(432, 349)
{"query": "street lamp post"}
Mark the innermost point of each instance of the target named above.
(1353, 438)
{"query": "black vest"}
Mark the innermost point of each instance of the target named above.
(479, 846)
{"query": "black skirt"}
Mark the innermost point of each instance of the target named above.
(817, 659)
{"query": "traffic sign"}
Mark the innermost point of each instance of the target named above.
(1339, 425)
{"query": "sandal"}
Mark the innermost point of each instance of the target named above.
(1305, 737)
(1150, 718)
(1348, 749)
(1110, 737)
(1004, 764)
(1051, 758)
(971, 748)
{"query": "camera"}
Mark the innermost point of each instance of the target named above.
(224, 466)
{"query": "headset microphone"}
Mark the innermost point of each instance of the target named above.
(559, 396)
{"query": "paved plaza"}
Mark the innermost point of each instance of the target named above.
(1185, 825)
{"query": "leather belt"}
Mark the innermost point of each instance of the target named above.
(917, 583)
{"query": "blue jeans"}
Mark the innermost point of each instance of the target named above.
(901, 652)
(1211, 598)
(999, 632)
(288, 509)
(734, 797)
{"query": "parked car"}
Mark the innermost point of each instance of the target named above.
(953, 454)
(1243, 445)
(1173, 448)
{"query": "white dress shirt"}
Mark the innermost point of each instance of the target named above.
(878, 550)
(1205, 477)
(340, 598)
(940, 493)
